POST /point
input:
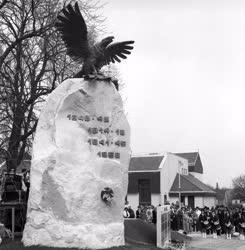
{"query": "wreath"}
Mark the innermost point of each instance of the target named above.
(107, 195)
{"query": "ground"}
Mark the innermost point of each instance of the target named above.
(197, 243)
(17, 245)
(142, 236)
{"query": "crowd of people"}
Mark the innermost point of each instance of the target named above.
(128, 212)
(146, 213)
(215, 221)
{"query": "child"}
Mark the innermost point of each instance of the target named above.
(215, 224)
(228, 225)
(241, 221)
(203, 223)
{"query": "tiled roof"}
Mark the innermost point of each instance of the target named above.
(189, 183)
(194, 161)
(147, 163)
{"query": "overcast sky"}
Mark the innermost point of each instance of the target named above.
(185, 80)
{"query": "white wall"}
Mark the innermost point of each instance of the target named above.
(209, 201)
(199, 201)
(133, 200)
(169, 168)
(155, 199)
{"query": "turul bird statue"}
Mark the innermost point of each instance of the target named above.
(73, 29)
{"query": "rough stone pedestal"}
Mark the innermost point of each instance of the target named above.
(81, 146)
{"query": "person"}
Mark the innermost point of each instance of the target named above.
(126, 213)
(138, 212)
(208, 222)
(228, 224)
(198, 211)
(216, 228)
(173, 219)
(179, 219)
(203, 223)
(27, 184)
(131, 212)
(189, 222)
(154, 215)
(241, 221)
(221, 220)
(149, 214)
(185, 222)
(195, 217)
(235, 218)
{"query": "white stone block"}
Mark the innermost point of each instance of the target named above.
(71, 166)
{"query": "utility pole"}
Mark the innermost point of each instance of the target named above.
(179, 167)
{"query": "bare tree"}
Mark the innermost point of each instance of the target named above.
(32, 62)
(238, 191)
(2, 3)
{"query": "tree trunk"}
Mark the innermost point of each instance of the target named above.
(14, 141)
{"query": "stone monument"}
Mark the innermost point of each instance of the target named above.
(81, 151)
(81, 148)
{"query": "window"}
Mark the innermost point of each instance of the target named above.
(184, 171)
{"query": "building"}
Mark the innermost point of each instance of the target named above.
(158, 178)
(223, 196)
(194, 163)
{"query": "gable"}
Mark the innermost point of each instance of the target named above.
(194, 161)
(191, 157)
(198, 165)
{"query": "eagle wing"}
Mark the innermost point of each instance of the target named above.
(74, 32)
(116, 51)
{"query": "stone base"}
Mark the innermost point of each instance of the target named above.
(57, 234)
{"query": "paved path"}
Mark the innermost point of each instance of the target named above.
(221, 243)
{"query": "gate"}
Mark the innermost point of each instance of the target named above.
(163, 226)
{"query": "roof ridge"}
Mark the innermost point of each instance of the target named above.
(196, 158)
(192, 152)
(160, 154)
(201, 182)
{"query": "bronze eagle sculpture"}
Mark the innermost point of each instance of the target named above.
(73, 29)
